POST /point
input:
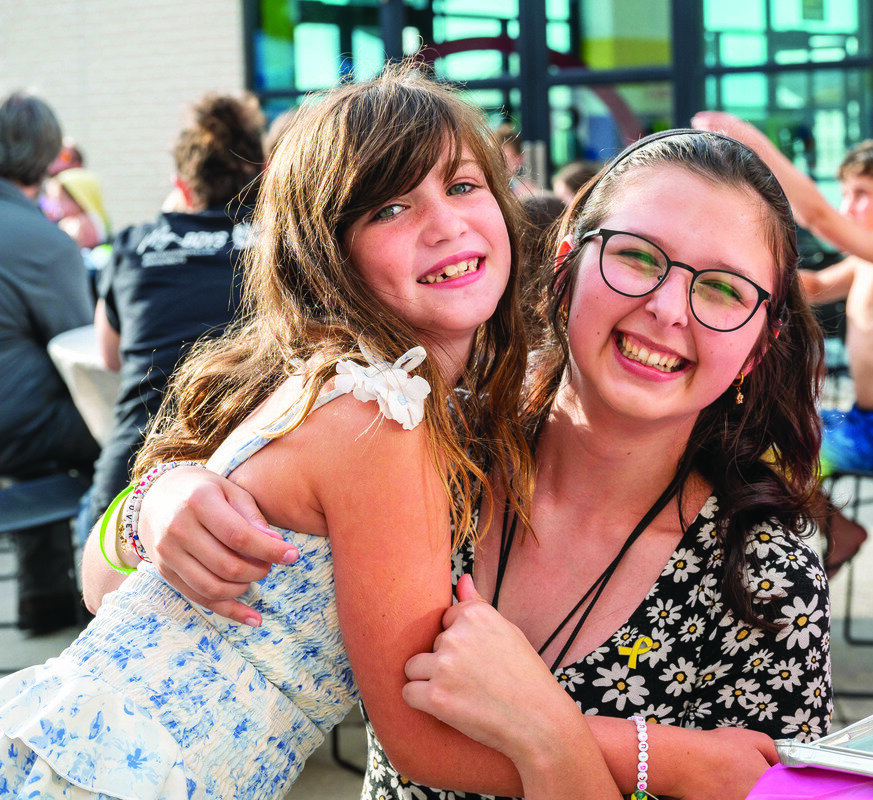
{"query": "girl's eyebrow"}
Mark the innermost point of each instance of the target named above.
(719, 265)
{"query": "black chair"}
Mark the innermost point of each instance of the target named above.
(30, 502)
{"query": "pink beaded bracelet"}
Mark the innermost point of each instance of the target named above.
(643, 756)
(130, 515)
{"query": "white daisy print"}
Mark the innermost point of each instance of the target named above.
(803, 621)
(680, 678)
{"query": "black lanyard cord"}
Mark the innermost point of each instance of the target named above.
(507, 536)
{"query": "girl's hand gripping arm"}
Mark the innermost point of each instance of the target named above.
(485, 679)
(205, 536)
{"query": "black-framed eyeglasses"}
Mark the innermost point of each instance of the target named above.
(633, 266)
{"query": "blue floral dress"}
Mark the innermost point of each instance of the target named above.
(159, 699)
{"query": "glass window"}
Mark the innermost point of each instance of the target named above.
(814, 116)
(596, 122)
(787, 31)
(304, 46)
(610, 35)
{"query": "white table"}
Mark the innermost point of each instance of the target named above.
(93, 387)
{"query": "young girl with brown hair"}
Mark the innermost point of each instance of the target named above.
(384, 224)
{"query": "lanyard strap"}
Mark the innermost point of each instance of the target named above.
(507, 536)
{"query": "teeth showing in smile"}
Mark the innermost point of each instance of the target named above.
(452, 271)
(640, 354)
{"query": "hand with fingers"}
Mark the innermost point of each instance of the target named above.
(208, 539)
(485, 679)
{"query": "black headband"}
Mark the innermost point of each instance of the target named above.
(668, 134)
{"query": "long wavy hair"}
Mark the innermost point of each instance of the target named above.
(306, 306)
(761, 457)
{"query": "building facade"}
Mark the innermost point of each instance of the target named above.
(577, 77)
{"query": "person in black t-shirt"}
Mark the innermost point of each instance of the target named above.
(173, 281)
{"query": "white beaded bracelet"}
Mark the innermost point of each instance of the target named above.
(129, 527)
(643, 756)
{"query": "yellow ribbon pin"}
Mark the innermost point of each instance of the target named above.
(640, 646)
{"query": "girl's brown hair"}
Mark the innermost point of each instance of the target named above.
(306, 306)
(761, 457)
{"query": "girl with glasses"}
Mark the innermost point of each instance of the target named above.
(663, 573)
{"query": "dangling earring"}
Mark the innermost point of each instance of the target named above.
(563, 318)
(737, 383)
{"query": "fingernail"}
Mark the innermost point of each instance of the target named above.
(254, 622)
(290, 556)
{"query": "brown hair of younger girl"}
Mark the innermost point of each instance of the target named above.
(347, 153)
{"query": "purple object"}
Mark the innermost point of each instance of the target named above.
(794, 783)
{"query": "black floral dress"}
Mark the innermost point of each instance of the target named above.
(684, 659)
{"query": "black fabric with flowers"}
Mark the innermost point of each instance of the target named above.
(696, 665)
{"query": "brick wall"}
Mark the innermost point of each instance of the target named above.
(120, 74)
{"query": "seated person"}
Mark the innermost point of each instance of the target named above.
(173, 281)
(43, 292)
(74, 201)
(568, 180)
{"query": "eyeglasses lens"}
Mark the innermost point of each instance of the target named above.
(635, 267)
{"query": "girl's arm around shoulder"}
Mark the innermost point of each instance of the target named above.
(377, 493)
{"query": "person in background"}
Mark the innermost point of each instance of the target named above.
(277, 129)
(174, 280)
(543, 211)
(847, 440)
(43, 292)
(508, 137)
(73, 199)
(568, 180)
(70, 157)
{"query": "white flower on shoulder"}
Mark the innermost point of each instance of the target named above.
(400, 395)
(786, 675)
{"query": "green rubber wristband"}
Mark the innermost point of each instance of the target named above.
(104, 524)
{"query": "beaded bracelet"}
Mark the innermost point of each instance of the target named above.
(643, 756)
(128, 531)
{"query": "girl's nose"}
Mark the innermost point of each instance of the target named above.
(442, 222)
(669, 303)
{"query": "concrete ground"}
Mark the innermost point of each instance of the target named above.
(325, 779)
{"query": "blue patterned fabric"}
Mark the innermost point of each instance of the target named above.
(162, 700)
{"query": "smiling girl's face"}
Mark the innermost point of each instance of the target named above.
(439, 255)
(647, 357)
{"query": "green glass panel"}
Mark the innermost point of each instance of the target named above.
(471, 65)
(558, 37)
(736, 15)
(368, 54)
(485, 8)
(739, 49)
(743, 91)
(316, 56)
(815, 15)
